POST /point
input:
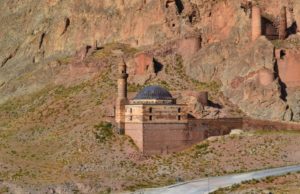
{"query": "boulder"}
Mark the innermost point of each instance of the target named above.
(236, 132)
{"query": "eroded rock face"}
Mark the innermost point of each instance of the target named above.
(188, 46)
(141, 68)
(265, 77)
(196, 102)
(144, 63)
(289, 67)
(293, 100)
(296, 11)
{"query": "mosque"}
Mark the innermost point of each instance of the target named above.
(154, 120)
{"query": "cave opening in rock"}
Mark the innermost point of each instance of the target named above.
(269, 29)
(282, 54)
(283, 87)
(292, 29)
(157, 66)
(67, 24)
(179, 6)
(178, 3)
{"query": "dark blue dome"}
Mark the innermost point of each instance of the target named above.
(153, 92)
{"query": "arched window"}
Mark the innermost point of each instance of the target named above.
(179, 117)
(150, 118)
(150, 110)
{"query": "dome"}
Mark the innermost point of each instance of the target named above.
(153, 92)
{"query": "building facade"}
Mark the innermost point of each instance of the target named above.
(155, 122)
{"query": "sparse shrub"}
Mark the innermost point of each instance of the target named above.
(235, 186)
(13, 152)
(269, 179)
(134, 87)
(4, 189)
(103, 132)
(62, 91)
(106, 191)
(65, 60)
(207, 86)
(202, 146)
(201, 149)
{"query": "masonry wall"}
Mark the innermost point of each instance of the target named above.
(215, 127)
(255, 124)
(166, 138)
(160, 138)
(135, 131)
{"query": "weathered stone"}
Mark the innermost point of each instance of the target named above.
(236, 132)
(265, 77)
(144, 64)
(187, 47)
(256, 23)
(289, 67)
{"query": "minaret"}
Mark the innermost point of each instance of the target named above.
(122, 97)
(256, 22)
(283, 24)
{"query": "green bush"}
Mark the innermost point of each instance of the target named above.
(103, 132)
(202, 146)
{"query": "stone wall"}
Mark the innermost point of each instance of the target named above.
(135, 131)
(225, 125)
(165, 138)
(216, 127)
(255, 124)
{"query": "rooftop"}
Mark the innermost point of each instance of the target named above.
(153, 93)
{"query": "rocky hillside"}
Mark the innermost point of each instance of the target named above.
(44, 42)
(58, 62)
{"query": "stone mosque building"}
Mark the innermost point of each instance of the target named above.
(155, 122)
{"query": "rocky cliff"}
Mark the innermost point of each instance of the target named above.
(46, 43)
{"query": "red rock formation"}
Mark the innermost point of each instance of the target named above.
(187, 47)
(256, 23)
(201, 97)
(289, 67)
(265, 77)
(219, 23)
(144, 63)
(283, 24)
